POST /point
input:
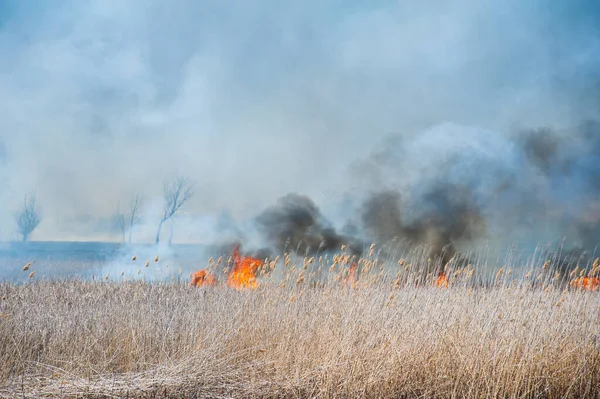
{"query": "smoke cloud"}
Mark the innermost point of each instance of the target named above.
(450, 123)
(296, 224)
(447, 216)
(535, 185)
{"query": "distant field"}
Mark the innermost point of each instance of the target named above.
(308, 330)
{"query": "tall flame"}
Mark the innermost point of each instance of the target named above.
(350, 280)
(202, 278)
(243, 274)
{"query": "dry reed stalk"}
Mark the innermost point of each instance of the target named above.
(392, 334)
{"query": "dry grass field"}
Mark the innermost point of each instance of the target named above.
(311, 327)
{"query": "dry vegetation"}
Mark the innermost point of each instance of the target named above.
(386, 332)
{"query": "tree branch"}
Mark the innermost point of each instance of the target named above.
(28, 218)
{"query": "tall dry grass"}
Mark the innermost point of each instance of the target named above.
(517, 336)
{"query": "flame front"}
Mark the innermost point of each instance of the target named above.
(441, 281)
(586, 283)
(202, 278)
(243, 273)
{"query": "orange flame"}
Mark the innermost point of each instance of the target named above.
(586, 283)
(202, 277)
(442, 280)
(243, 274)
(351, 278)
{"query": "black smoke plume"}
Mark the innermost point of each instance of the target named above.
(465, 185)
(448, 214)
(535, 184)
(296, 224)
(541, 147)
(568, 163)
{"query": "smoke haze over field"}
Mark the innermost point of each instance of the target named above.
(465, 119)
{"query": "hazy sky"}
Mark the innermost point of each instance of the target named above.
(100, 99)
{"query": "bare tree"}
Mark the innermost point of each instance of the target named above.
(126, 221)
(119, 219)
(134, 210)
(28, 218)
(176, 193)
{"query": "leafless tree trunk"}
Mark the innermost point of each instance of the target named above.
(126, 221)
(171, 231)
(134, 216)
(119, 219)
(28, 218)
(176, 193)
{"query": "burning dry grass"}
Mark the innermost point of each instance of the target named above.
(243, 273)
(202, 278)
(382, 335)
